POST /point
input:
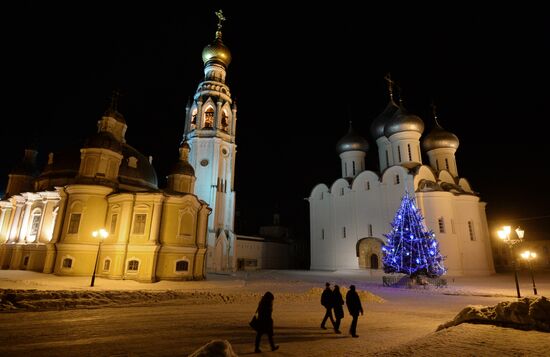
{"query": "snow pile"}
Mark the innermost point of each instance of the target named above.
(526, 314)
(41, 300)
(215, 348)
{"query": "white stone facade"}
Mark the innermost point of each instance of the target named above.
(348, 220)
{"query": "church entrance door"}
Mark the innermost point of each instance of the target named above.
(374, 261)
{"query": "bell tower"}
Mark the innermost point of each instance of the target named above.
(210, 126)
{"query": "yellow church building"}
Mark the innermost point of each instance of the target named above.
(49, 218)
(47, 222)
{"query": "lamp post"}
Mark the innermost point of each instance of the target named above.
(504, 234)
(528, 255)
(102, 234)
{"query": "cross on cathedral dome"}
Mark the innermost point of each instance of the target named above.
(217, 52)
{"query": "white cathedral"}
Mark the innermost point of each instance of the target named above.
(348, 220)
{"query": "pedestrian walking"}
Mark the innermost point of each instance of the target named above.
(338, 305)
(354, 307)
(265, 322)
(327, 302)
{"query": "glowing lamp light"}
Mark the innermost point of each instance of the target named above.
(528, 255)
(520, 232)
(102, 233)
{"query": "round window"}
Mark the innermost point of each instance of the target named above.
(224, 152)
(204, 162)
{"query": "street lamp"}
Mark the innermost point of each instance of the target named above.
(504, 234)
(527, 255)
(102, 234)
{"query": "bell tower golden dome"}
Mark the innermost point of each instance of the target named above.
(217, 52)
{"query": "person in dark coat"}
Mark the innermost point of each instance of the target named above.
(265, 309)
(327, 302)
(338, 303)
(354, 307)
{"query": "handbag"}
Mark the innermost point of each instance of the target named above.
(255, 323)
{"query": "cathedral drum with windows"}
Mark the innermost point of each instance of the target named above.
(348, 220)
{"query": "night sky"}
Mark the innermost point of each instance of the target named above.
(299, 76)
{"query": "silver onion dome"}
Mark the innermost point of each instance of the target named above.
(378, 124)
(403, 121)
(439, 138)
(352, 141)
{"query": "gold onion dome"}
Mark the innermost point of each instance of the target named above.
(216, 52)
(439, 138)
(352, 141)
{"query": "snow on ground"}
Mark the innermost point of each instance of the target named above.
(397, 321)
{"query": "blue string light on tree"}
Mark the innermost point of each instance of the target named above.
(411, 248)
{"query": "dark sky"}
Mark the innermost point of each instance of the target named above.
(299, 75)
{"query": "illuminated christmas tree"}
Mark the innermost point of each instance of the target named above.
(411, 248)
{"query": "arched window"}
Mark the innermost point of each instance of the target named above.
(441, 223)
(74, 223)
(225, 121)
(185, 229)
(399, 153)
(182, 265)
(209, 118)
(194, 118)
(26, 260)
(67, 263)
(139, 223)
(133, 265)
(107, 265)
(471, 230)
(409, 150)
(35, 222)
(132, 162)
(114, 218)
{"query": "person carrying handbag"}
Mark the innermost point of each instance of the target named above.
(264, 322)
